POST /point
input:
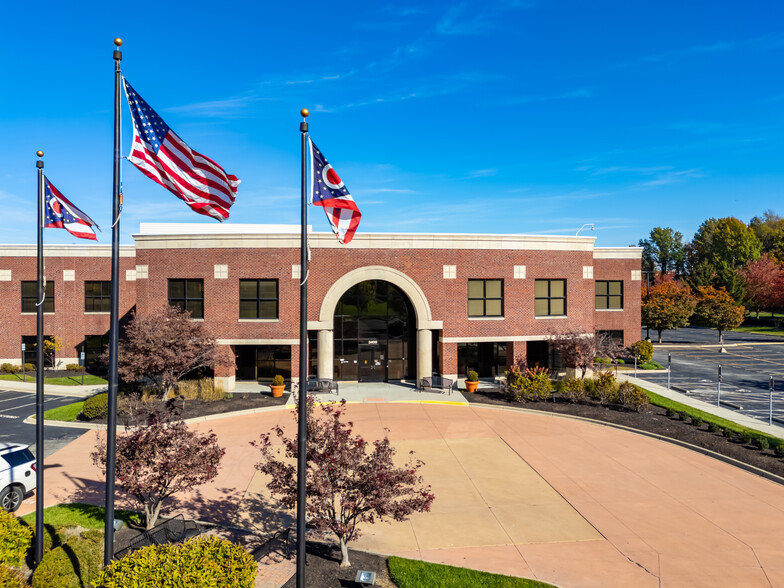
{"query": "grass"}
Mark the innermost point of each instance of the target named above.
(759, 329)
(707, 417)
(651, 365)
(67, 413)
(81, 515)
(89, 380)
(409, 573)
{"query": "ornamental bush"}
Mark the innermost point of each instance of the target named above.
(574, 389)
(29, 367)
(14, 539)
(644, 350)
(9, 368)
(278, 380)
(11, 578)
(202, 562)
(96, 407)
(632, 397)
(74, 564)
(74, 367)
(606, 391)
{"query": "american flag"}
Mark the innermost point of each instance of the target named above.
(162, 156)
(60, 213)
(329, 191)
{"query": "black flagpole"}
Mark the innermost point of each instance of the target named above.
(39, 374)
(114, 321)
(302, 438)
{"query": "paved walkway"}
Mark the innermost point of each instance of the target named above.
(523, 493)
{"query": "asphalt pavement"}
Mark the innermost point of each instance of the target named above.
(16, 406)
(748, 362)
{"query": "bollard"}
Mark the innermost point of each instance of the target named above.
(718, 395)
(770, 407)
(635, 363)
(669, 368)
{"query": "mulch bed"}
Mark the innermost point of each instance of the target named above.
(323, 567)
(654, 420)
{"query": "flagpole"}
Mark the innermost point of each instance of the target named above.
(39, 373)
(302, 438)
(114, 320)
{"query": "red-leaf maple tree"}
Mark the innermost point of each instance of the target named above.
(166, 344)
(160, 459)
(762, 280)
(577, 349)
(346, 484)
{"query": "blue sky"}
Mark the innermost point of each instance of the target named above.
(500, 117)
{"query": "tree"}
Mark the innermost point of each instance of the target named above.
(717, 309)
(770, 231)
(346, 485)
(663, 251)
(160, 459)
(726, 244)
(577, 349)
(760, 278)
(667, 305)
(164, 346)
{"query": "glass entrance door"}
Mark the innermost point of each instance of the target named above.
(372, 363)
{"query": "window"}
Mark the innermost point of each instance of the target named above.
(485, 298)
(97, 296)
(188, 295)
(550, 298)
(609, 295)
(30, 297)
(258, 299)
(94, 346)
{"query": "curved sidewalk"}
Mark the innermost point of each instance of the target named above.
(523, 493)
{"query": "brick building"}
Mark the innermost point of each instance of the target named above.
(386, 307)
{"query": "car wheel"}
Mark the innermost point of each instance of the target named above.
(11, 498)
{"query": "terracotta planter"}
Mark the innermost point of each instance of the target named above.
(471, 386)
(277, 391)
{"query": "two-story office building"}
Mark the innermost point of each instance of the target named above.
(388, 306)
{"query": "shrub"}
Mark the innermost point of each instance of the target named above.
(71, 565)
(14, 539)
(590, 387)
(683, 415)
(712, 427)
(188, 389)
(96, 407)
(209, 392)
(472, 376)
(606, 387)
(203, 562)
(632, 397)
(696, 421)
(29, 367)
(9, 368)
(670, 412)
(745, 437)
(763, 443)
(74, 367)
(779, 450)
(643, 350)
(279, 381)
(728, 433)
(532, 385)
(620, 361)
(574, 388)
(11, 578)
(651, 365)
(601, 360)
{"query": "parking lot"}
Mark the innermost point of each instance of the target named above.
(747, 364)
(16, 406)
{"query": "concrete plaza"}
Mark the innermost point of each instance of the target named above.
(561, 500)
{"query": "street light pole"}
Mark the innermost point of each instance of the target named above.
(647, 290)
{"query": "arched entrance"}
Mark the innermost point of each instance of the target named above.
(374, 333)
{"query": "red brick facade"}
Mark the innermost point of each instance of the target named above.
(165, 254)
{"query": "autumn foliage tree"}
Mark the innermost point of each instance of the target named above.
(160, 459)
(667, 305)
(166, 344)
(577, 349)
(346, 484)
(717, 309)
(762, 279)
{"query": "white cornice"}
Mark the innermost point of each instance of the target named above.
(617, 253)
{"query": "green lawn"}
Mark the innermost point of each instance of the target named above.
(80, 514)
(663, 402)
(760, 329)
(67, 413)
(409, 573)
(89, 380)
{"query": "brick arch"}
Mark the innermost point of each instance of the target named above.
(424, 318)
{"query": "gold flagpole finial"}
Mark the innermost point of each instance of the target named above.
(39, 153)
(118, 41)
(304, 112)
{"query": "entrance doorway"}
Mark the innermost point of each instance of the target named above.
(372, 363)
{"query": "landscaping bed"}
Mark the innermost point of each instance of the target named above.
(653, 420)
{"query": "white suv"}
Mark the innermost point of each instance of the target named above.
(17, 474)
